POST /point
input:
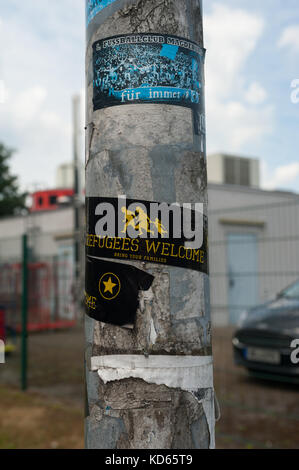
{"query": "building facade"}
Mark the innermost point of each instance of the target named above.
(254, 250)
(253, 238)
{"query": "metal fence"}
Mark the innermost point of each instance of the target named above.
(50, 283)
(254, 254)
(35, 356)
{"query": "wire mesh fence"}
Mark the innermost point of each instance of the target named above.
(50, 284)
(254, 256)
(54, 325)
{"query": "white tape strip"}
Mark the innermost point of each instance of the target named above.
(189, 373)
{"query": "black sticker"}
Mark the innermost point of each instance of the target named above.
(126, 229)
(149, 68)
(111, 293)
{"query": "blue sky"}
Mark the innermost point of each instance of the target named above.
(252, 58)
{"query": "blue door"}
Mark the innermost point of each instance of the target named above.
(242, 273)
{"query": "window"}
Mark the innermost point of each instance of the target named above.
(229, 170)
(237, 171)
(53, 200)
(40, 201)
(244, 172)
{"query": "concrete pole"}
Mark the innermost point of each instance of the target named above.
(149, 152)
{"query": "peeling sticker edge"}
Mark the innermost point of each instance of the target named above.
(96, 9)
(153, 333)
(188, 373)
(97, 18)
(208, 405)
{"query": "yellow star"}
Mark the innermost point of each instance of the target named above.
(109, 285)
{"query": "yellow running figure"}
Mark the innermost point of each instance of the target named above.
(144, 222)
(128, 220)
(160, 228)
(140, 221)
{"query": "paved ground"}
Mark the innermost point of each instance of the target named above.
(255, 414)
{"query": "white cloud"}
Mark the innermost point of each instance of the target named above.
(3, 92)
(233, 118)
(26, 105)
(255, 94)
(281, 177)
(290, 38)
(42, 66)
(246, 123)
(231, 35)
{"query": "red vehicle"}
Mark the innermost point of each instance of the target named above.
(50, 199)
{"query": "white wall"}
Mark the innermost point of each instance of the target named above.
(43, 228)
(278, 247)
(215, 168)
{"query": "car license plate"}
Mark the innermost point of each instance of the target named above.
(268, 356)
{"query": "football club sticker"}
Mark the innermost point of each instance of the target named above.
(148, 68)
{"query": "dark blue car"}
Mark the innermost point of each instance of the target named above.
(265, 339)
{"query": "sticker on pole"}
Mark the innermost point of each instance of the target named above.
(111, 294)
(125, 229)
(93, 7)
(148, 68)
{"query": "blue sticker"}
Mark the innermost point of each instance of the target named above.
(169, 51)
(93, 7)
(149, 68)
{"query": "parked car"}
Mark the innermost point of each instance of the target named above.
(262, 343)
